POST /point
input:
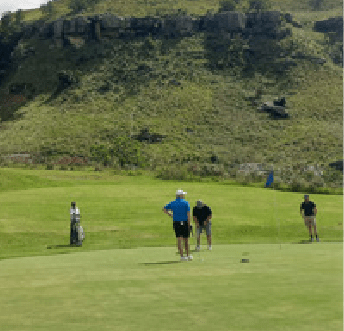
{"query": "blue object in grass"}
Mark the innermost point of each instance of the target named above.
(270, 179)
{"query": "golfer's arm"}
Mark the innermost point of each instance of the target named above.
(189, 217)
(315, 211)
(166, 212)
(207, 220)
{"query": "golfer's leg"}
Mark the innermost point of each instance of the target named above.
(180, 245)
(198, 235)
(310, 228)
(208, 229)
(315, 229)
(186, 240)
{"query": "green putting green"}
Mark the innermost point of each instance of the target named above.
(292, 287)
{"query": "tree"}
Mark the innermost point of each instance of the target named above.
(48, 9)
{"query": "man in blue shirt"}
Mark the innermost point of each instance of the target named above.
(181, 222)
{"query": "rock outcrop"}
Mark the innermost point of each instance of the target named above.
(276, 109)
(146, 136)
(338, 165)
(107, 25)
(332, 25)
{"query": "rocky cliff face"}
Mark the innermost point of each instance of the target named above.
(110, 26)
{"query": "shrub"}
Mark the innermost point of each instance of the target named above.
(48, 9)
(259, 5)
(121, 150)
(63, 167)
(228, 5)
(79, 5)
(316, 4)
(176, 172)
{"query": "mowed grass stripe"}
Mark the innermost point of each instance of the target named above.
(297, 287)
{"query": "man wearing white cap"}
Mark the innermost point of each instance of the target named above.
(181, 222)
(308, 210)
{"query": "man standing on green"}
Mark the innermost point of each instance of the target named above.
(308, 211)
(181, 222)
(202, 216)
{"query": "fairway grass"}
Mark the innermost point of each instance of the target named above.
(287, 287)
(126, 212)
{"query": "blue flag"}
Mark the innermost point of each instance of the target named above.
(270, 179)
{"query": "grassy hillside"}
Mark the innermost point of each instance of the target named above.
(140, 8)
(123, 87)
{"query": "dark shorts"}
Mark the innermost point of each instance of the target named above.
(181, 229)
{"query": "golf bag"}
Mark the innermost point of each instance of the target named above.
(77, 234)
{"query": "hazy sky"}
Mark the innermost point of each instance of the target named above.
(14, 5)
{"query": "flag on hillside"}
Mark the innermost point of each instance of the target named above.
(270, 179)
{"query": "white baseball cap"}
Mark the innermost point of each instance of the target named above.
(180, 192)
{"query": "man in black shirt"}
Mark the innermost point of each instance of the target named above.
(202, 217)
(308, 211)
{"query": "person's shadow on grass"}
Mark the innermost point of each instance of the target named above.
(161, 262)
(303, 242)
(62, 246)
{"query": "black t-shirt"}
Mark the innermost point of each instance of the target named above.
(308, 207)
(201, 214)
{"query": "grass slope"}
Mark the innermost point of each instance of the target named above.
(124, 87)
(199, 7)
(280, 289)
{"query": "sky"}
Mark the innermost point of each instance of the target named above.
(14, 5)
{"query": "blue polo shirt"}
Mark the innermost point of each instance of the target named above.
(180, 208)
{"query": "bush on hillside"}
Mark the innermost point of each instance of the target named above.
(120, 152)
(228, 5)
(48, 9)
(78, 6)
(223, 53)
(259, 5)
(316, 4)
(10, 27)
(176, 172)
